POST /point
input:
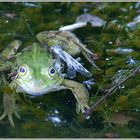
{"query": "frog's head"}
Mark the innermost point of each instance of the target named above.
(36, 74)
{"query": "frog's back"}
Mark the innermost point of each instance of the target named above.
(34, 55)
(67, 40)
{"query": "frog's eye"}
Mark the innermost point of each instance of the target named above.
(51, 71)
(22, 71)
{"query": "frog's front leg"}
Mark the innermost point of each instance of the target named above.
(10, 107)
(80, 92)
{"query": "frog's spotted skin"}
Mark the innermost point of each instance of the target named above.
(69, 43)
(34, 71)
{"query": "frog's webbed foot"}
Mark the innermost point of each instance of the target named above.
(10, 108)
(10, 118)
(81, 94)
(81, 107)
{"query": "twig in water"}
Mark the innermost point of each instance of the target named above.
(111, 90)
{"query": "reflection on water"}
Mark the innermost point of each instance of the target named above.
(55, 118)
(123, 50)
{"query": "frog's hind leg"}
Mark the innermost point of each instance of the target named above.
(90, 56)
(10, 108)
(80, 92)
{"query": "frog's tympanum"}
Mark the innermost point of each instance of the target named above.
(36, 69)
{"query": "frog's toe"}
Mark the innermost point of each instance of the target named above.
(81, 108)
(17, 115)
(2, 116)
(10, 117)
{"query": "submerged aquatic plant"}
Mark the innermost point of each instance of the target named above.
(89, 83)
(131, 61)
(114, 42)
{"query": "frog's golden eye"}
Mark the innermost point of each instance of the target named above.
(51, 71)
(22, 71)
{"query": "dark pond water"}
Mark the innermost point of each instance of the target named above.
(117, 43)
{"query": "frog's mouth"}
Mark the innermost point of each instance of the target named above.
(37, 88)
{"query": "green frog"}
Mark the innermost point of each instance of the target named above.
(33, 70)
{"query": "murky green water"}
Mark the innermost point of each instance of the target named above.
(54, 115)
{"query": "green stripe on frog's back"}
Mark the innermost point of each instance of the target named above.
(36, 57)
